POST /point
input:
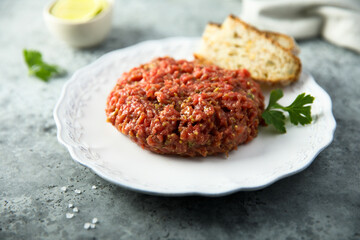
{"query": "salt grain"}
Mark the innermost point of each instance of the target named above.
(69, 215)
(93, 187)
(87, 225)
(95, 220)
(63, 189)
(77, 191)
(75, 209)
(71, 205)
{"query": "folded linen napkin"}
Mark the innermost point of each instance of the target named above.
(337, 21)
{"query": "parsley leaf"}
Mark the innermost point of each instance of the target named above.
(37, 67)
(276, 118)
(299, 111)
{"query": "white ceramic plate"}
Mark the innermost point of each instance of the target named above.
(91, 141)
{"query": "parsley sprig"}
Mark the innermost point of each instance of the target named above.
(37, 67)
(299, 111)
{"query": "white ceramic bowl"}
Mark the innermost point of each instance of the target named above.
(80, 34)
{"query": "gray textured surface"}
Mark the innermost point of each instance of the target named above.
(322, 202)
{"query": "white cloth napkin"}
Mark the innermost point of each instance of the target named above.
(337, 21)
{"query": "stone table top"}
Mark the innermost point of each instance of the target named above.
(321, 202)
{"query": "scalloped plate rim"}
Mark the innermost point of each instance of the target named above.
(326, 142)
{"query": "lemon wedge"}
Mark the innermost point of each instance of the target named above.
(77, 10)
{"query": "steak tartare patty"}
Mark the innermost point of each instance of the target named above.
(180, 107)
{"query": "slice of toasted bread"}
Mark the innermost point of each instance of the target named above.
(285, 41)
(235, 44)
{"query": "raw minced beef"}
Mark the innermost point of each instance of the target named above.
(179, 107)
